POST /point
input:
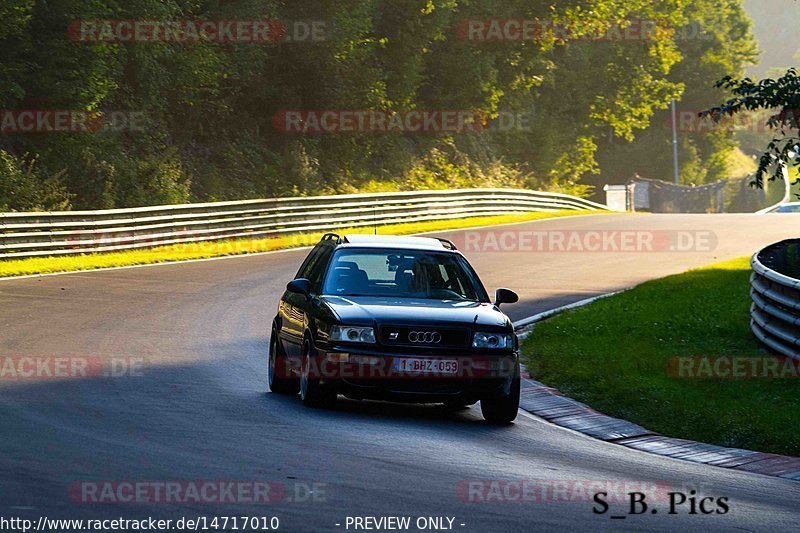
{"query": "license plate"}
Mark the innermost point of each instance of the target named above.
(425, 366)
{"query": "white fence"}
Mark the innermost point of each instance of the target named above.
(73, 232)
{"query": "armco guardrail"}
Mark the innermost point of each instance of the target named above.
(775, 292)
(71, 232)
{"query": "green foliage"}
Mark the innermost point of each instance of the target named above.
(783, 96)
(22, 188)
(714, 40)
(210, 108)
(15, 43)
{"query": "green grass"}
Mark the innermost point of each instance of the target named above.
(613, 355)
(203, 250)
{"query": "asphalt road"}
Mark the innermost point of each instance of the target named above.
(198, 408)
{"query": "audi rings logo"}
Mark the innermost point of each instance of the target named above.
(425, 337)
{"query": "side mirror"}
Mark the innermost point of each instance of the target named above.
(299, 286)
(505, 296)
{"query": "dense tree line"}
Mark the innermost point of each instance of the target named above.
(716, 42)
(554, 109)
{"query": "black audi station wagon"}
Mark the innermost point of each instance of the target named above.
(402, 319)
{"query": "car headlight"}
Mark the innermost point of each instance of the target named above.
(492, 340)
(352, 334)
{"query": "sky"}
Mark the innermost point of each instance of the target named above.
(776, 25)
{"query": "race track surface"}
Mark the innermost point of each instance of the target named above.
(199, 409)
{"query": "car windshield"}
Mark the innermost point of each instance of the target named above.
(402, 273)
(789, 208)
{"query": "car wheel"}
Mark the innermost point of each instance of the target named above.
(502, 410)
(312, 392)
(277, 360)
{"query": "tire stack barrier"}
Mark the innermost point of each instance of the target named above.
(775, 294)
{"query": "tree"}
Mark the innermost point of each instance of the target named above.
(782, 96)
(715, 40)
(210, 108)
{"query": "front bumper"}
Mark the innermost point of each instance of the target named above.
(374, 374)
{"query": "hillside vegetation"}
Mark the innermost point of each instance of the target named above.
(202, 121)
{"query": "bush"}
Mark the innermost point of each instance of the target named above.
(23, 189)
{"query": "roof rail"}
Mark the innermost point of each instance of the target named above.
(331, 237)
(446, 243)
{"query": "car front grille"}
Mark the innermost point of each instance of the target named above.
(424, 337)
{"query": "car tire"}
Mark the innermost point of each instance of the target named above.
(312, 392)
(279, 385)
(503, 410)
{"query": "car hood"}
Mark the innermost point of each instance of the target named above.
(364, 310)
